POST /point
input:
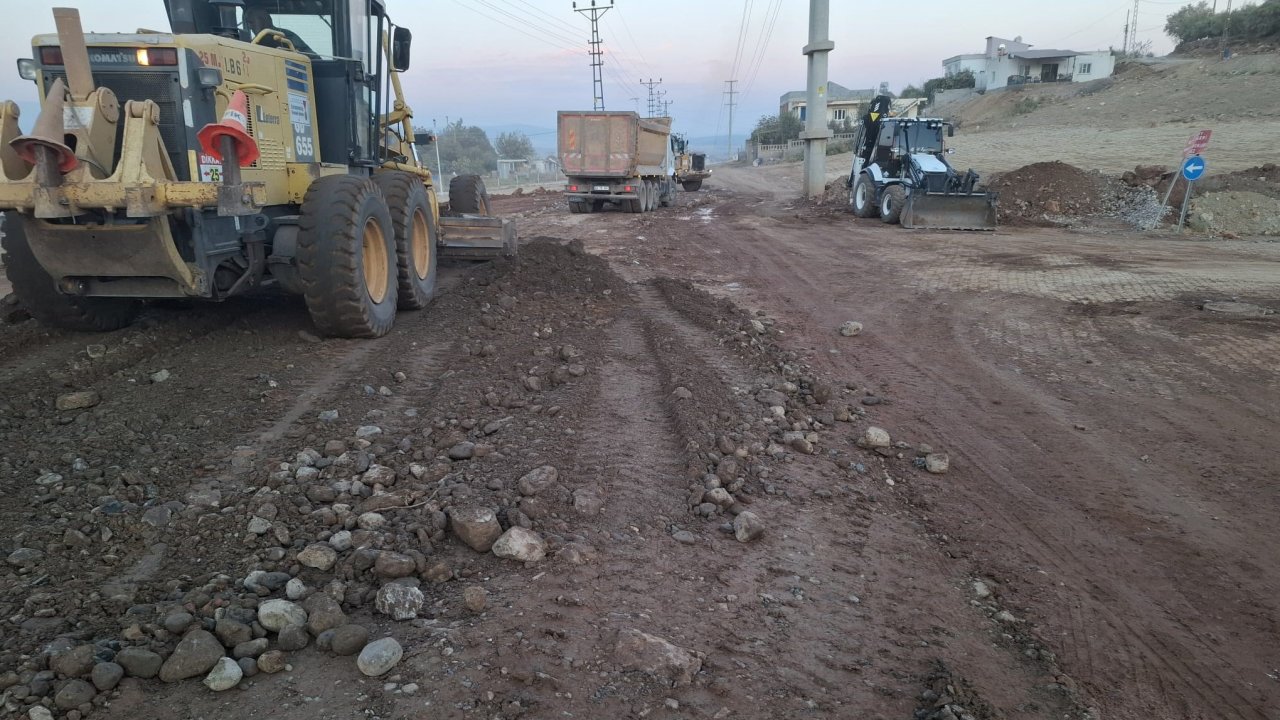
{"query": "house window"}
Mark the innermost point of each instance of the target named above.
(1086, 68)
(838, 114)
(801, 111)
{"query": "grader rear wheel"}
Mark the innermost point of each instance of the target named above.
(415, 234)
(346, 246)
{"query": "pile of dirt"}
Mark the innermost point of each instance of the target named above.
(1235, 213)
(1248, 197)
(1045, 192)
(836, 193)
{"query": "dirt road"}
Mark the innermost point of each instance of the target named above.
(1100, 545)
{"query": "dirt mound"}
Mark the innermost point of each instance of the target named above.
(836, 193)
(1234, 213)
(1040, 192)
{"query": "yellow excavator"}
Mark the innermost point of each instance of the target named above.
(261, 142)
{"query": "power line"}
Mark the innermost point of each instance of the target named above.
(743, 27)
(762, 46)
(653, 98)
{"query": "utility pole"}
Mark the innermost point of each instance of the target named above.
(1226, 25)
(666, 108)
(653, 99)
(636, 100)
(597, 55)
(439, 167)
(1124, 46)
(1133, 29)
(731, 92)
(816, 131)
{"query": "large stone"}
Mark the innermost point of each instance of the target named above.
(937, 463)
(196, 654)
(520, 544)
(874, 437)
(276, 615)
(400, 602)
(349, 639)
(475, 598)
(232, 632)
(476, 526)
(39, 712)
(394, 565)
(225, 675)
(851, 328)
(771, 398)
(587, 501)
(105, 676)
(250, 649)
(747, 526)
(320, 556)
(74, 694)
(81, 400)
(656, 657)
(293, 638)
(272, 662)
(379, 656)
(537, 480)
(323, 613)
(139, 662)
(75, 662)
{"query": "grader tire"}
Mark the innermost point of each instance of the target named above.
(346, 257)
(416, 237)
(39, 294)
(467, 195)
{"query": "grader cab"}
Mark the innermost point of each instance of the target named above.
(261, 142)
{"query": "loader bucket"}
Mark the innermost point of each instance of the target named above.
(936, 211)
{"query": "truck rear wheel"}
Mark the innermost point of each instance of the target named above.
(467, 195)
(416, 237)
(692, 185)
(892, 202)
(346, 257)
(862, 197)
(39, 294)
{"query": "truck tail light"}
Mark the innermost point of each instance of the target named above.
(628, 189)
(573, 188)
(157, 56)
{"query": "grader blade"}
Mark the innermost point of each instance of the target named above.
(477, 237)
(936, 211)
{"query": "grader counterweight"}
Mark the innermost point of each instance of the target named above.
(261, 142)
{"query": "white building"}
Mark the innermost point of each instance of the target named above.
(1013, 62)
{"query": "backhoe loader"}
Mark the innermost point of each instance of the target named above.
(259, 143)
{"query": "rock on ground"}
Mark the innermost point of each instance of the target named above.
(874, 437)
(520, 544)
(196, 654)
(476, 526)
(225, 675)
(400, 602)
(656, 657)
(379, 656)
(747, 526)
(937, 463)
(106, 676)
(74, 694)
(475, 598)
(271, 662)
(276, 615)
(349, 639)
(320, 556)
(851, 328)
(139, 662)
(537, 480)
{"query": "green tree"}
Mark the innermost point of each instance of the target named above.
(514, 146)
(1251, 22)
(962, 79)
(911, 91)
(776, 129)
(465, 149)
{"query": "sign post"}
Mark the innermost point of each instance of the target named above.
(1195, 146)
(1192, 168)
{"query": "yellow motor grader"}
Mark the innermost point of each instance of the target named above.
(261, 142)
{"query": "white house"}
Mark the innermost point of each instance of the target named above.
(1013, 62)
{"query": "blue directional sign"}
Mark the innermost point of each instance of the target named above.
(1193, 168)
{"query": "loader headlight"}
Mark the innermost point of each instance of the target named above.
(27, 69)
(209, 77)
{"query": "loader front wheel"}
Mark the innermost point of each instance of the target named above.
(346, 257)
(862, 197)
(416, 237)
(892, 202)
(467, 195)
(39, 294)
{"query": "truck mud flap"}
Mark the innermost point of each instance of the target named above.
(477, 237)
(929, 211)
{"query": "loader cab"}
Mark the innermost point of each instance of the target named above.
(342, 39)
(900, 137)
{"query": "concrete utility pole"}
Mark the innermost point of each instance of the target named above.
(597, 54)
(816, 131)
(731, 92)
(1226, 25)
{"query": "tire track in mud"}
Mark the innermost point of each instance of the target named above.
(1152, 662)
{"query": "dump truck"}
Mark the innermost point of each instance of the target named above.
(615, 158)
(901, 175)
(690, 167)
(259, 143)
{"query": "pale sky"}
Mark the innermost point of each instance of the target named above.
(502, 62)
